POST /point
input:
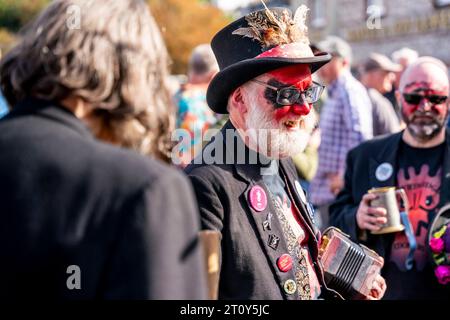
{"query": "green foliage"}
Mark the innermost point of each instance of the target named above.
(14, 14)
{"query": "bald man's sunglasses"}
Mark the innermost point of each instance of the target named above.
(414, 98)
(288, 96)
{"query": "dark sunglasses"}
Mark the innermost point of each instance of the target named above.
(414, 98)
(288, 96)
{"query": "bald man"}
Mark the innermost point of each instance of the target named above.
(417, 160)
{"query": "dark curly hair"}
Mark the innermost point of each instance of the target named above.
(109, 53)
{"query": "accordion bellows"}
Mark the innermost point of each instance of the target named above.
(350, 268)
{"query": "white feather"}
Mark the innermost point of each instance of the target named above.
(300, 18)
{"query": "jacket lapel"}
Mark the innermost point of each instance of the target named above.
(270, 234)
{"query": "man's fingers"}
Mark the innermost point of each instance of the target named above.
(375, 220)
(381, 283)
(377, 211)
(377, 288)
(371, 227)
(369, 197)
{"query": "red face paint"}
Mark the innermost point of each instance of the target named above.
(423, 89)
(298, 76)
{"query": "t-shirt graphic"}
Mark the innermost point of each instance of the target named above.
(422, 189)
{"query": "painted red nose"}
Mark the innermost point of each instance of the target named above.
(301, 110)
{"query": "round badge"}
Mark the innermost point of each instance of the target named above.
(258, 198)
(300, 191)
(290, 286)
(284, 263)
(384, 171)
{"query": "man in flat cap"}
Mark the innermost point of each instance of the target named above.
(378, 76)
(246, 185)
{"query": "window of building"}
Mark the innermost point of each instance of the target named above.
(441, 3)
(318, 13)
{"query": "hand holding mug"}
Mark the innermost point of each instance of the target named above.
(370, 218)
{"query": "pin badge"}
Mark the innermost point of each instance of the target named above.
(273, 242)
(290, 286)
(258, 198)
(300, 191)
(267, 224)
(284, 263)
(384, 171)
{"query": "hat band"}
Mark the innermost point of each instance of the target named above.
(290, 50)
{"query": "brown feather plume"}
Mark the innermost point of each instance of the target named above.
(272, 28)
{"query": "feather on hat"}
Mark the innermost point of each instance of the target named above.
(274, 29)
(258, 43)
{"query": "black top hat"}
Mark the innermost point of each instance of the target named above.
(238, 54)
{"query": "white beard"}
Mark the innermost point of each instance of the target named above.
(270, 138)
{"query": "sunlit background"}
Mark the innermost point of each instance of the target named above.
(368, 25)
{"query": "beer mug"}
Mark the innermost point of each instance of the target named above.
(388, 199)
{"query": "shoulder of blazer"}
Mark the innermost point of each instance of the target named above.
(375, 145)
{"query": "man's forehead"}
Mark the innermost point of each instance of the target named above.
(418, 86)
(427, 76)
(291, 74)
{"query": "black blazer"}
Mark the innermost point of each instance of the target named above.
(248, 263)
(362, 162)
(129, 223)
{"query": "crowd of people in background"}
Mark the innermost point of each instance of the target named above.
(359, 104)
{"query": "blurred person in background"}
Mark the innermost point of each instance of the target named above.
(69, 201)
(404, 57)
(377, 75)
(307, 162)
(193, 113)
(345, 121)
(3, 104)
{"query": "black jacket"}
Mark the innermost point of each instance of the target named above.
(129, 223)
(248, 263)
(362, 163)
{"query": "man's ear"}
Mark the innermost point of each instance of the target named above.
(345, 62)
(237, 101)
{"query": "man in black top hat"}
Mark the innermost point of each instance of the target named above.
(245, 182)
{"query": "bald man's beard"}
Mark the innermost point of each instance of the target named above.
(424, 129)
(271, 138)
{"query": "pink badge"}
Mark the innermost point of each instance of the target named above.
(284, 263)
(258, 198)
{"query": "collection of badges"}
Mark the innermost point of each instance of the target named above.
(258, 201)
